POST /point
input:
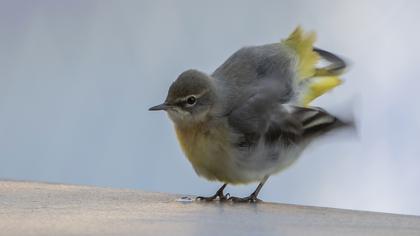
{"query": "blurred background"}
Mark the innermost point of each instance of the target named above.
(77, 78)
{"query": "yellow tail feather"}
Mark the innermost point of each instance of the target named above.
(302, 44)
(318, 86)
(317, 80)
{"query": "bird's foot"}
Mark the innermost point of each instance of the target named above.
(251, 199)
(220, 196)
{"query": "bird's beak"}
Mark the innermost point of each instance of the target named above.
(160, 107)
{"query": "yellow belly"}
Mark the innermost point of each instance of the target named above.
(208, 150)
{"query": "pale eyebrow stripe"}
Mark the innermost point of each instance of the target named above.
(196, 95)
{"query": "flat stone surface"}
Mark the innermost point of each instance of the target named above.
(28, 208)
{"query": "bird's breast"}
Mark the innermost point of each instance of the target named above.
(208, 150)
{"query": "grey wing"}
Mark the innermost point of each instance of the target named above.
(255, 123)
(256, 83)
(259, 69)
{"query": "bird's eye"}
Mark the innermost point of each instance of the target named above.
(191, 100)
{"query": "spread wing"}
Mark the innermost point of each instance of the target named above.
(257, 121)
(258, 87)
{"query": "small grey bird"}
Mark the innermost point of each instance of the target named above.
(250, 118)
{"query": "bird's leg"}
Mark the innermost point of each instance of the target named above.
(253, 196)
(219, 194)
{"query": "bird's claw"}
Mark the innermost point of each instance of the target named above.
(251, 199)
(221, 197)
(207, 199)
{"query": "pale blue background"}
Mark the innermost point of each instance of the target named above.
(77, 77)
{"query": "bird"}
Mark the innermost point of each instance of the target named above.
(251, 118)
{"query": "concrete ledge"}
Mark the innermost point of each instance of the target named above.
(28, 208)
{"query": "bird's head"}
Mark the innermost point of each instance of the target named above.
(190, 98)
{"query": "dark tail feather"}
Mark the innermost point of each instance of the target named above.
(336, 67)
